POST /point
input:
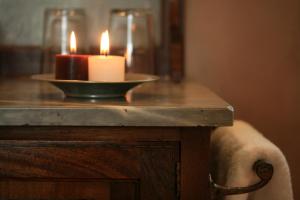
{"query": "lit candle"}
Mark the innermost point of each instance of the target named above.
(106, 68)
(71, 66)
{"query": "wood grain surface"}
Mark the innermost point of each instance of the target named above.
(68, 162)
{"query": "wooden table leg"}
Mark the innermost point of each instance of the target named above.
(195, 163)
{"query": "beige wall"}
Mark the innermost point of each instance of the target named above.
(249, 53)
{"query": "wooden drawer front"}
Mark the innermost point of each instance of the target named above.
(67, 189)
(148, 168)
(68, 160)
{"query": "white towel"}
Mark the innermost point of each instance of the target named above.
(234, 151)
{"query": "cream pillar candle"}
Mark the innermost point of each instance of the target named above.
(105, 68)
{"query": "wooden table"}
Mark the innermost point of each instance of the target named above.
(153, 144)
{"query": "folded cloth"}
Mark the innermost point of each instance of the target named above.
(234, 151)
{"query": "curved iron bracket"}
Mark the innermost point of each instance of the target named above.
(262, 169)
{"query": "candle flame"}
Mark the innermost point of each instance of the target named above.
(104, 45)
(73, 47)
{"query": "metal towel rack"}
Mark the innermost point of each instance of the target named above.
(263, 170)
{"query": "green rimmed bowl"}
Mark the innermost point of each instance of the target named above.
(92, 89)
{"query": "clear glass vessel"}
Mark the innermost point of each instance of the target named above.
(131, 35)
(58, 25)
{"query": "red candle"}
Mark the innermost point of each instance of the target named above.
(71, 66)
